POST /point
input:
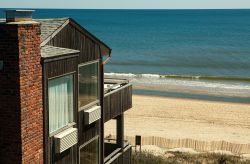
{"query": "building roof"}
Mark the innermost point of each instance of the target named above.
(49, 26)
(51, 51)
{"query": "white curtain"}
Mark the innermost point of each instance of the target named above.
(60, 102)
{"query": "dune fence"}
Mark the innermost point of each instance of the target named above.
(191, 143)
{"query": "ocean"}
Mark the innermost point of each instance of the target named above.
(178, 53)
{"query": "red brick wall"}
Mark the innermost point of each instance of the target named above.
(21, 109)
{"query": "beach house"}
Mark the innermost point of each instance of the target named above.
(54, 99)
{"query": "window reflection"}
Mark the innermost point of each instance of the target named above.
(88, 84)
(89, 154)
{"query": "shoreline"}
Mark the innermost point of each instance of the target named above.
(190, 96)
(186, 98)
(178, 118)
(235, 91)
(212, 92)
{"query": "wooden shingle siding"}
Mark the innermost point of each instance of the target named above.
(72, 38)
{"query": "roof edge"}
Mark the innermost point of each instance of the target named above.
(89, 34)
(61, 55)
(105, 49)
(55, 32)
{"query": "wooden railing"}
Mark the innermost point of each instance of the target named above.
(116, 155)
(117, 101)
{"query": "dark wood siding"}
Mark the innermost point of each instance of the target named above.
(115, 155)
(106, 103)
(117, 102)
(66, 157)
(56, 68)
(70, 37)
(87, 132)
(53, 69)
(90, 50)
(127, 155)
(60, 67)
(126, 94)
(119, 160)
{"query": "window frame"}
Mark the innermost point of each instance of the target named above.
(98, 86)
(73, 123)
(88, 142)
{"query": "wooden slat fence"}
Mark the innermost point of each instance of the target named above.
(191, 143)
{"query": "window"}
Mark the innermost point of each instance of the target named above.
(88, 84)
(60, 102)
(89, 154)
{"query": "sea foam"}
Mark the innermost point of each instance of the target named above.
(192, 85)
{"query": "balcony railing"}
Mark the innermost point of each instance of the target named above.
(116, 155)
(117, 97)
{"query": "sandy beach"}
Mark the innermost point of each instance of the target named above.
(177, 118)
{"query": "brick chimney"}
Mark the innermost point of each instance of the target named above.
(21, 108)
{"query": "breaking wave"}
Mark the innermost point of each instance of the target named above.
(187, 77)
(208, 85)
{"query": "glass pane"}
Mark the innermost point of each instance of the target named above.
(60, 102)
(88, 84)
(89, 154)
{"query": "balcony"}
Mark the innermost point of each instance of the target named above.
(117, 97)
(116, 155)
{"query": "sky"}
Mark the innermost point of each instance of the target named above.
(126, 4)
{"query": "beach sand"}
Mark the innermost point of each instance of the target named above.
(178, 118)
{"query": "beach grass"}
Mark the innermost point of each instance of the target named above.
(145, 157)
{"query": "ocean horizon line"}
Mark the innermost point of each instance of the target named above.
(128, 8)
(201, 50)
